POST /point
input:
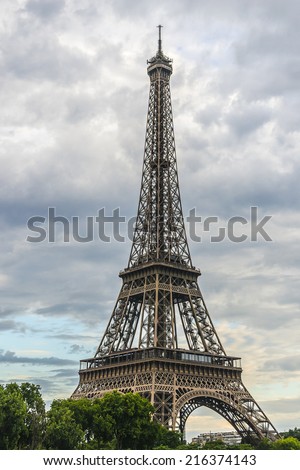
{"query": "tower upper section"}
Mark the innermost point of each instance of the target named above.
(160, 66)
(159, 231)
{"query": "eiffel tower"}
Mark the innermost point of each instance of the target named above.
(139, 351)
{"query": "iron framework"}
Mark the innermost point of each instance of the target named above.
(140, 349)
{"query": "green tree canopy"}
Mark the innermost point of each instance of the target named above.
(35, 420)
(118, 420)
(217, 444)
(289, 443)
(115, 421)
(129, 420)
(62, 430)
(292, 433)
(12, 416)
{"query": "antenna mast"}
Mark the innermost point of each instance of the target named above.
(159, 38)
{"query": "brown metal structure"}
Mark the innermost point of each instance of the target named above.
(140, 349)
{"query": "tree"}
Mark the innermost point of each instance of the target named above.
(218, 444)
(82, 414)
(35, 420)
(242, 446)
(167, 439)
(128, 419)
(102, 427)
(293, 433)
(22, 416)
(12, 416)
(264, 444)
(89, 416)
(289, 443)
(62, 430)
(118, 420)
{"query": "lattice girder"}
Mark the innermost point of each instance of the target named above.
(159, 230)
(151, 305)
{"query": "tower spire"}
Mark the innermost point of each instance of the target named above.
(159, 39)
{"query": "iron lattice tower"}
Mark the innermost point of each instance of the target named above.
(139, 350)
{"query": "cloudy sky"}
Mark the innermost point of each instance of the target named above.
(74, 93)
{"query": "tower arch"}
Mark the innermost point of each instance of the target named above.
(243, 414)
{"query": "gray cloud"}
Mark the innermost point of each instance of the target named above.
(76, 348)
(10, 357)
(45, 9)
(43, 58)
(289, 363)
(11, 325)
(283, 406)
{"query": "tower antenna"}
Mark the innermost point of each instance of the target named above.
(159, 38)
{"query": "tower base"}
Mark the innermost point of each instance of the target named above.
(177, 382)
